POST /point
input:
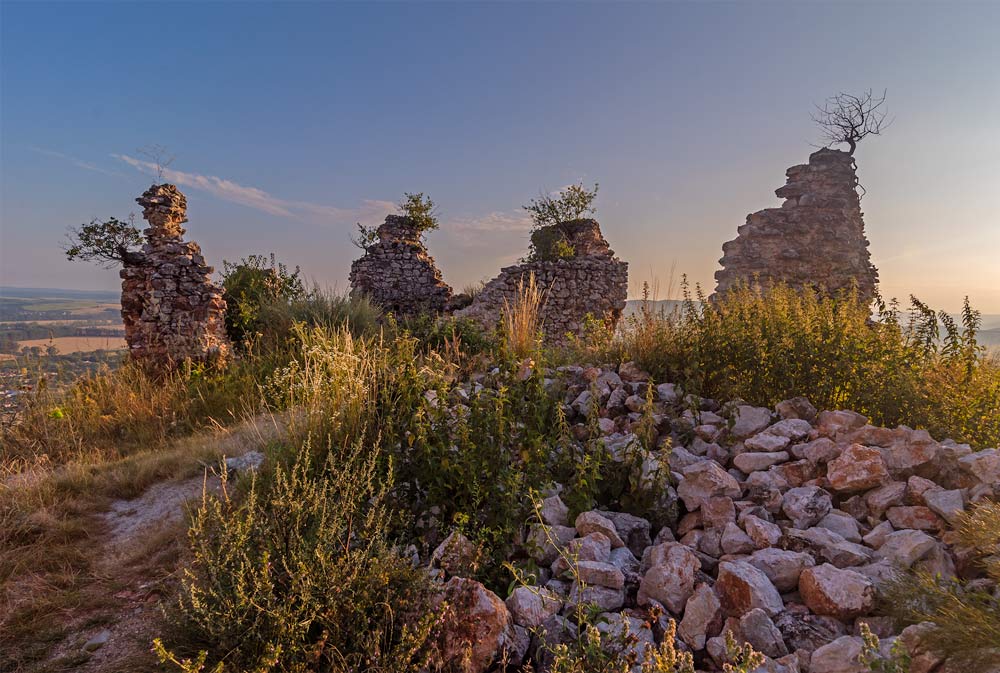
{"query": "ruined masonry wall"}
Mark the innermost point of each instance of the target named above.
(171, 309)
(398, 274)
(592, 282)
(816, 239)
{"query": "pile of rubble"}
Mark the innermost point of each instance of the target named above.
(816, 238)
(171, 309)
(397, 272)
(780, 527)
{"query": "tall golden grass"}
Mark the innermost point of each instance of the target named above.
(521, 319)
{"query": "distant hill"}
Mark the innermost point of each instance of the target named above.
(633, 306)
(100, 296)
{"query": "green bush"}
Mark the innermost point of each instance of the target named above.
(251, 284)
(298, 574)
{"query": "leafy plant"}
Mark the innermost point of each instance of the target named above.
(108, 243)
(572, 202)
(421, 211)
(898, 660)
(251, 284)
(299, 574)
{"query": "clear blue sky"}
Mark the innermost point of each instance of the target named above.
(292, 121)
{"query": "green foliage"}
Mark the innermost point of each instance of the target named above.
(446, 334)
(107, 243)
(619, 651)
(572, 203)
(898, 660)
(550, 243)
(251, 284)
(298, 574)
(316, 307)
(421, 211)
(366, 237)
(767, 346)
(966, 618)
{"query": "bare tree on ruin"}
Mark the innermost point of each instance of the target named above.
(849, 119)
(158, 155)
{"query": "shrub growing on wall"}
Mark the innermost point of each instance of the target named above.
(548, 241)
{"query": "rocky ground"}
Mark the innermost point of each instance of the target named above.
(776, 526)
(784, 524)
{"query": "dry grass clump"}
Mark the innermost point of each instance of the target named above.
(966, 618)
(521, 320)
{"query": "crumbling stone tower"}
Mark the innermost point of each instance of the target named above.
(590, 281)
(397, 272)
(816, 239)
(171, 309)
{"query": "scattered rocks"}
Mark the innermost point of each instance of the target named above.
(859, 468)
(706, 479)
(806, 505)
(477, 624)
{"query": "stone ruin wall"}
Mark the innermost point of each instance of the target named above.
(816, 238)
(593, 282)
(171, 309)
(398, 273)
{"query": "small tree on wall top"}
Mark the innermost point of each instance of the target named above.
(572, 203)
(421, 211)
(849, 119)
(548, 242)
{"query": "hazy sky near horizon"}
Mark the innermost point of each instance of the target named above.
(292, 121)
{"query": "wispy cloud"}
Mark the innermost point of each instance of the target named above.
(472, 229)
(79, 163)
(258, 199)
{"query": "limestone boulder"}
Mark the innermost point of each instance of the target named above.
(530, 606)
(671, 576)
(836, 592)
(806, 505)
(742, 587)
(476, 624)
(783, 567)
(595, 522)
(702, 617)
(704, 480)
(840, 656)
(859, 468)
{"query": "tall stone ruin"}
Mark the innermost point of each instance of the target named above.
(397, 273)
(815, 239)
(171, 309)
(591, 281)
